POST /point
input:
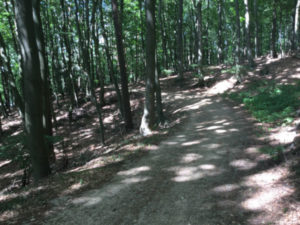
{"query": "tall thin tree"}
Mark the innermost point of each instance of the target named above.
(148, 119)
(122, 65)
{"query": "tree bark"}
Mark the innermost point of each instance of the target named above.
(198, 6)
(296, 27)
(47, 116)
(32, 89)
(220, 33)
(247, 34)
(148, 119)
(122, 65)
(274, 30)
(180, 40)
(238, 32)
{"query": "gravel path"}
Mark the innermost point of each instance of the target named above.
(200, 175)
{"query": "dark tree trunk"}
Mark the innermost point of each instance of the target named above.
(148, 119)
(122, 65)
(257, 30)
(32, 89)
(220, 32)
(180, 40)
(274, 30)
(159, 105)
(163, 34)
(238, 32)
(198, 6)
(47, 116)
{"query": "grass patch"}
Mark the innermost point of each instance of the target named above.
(269, 102)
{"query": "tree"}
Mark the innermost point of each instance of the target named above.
(32, 89)
(247, 30)
(295, 40)
(238, 32)
(220, 32)
(148, 119)
(198, 6)
(44, 69)
(180, 40)
(274, 30)
(122, 65)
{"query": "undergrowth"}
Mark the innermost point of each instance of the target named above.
(269, 102)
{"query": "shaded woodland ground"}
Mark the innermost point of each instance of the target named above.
(90, 166)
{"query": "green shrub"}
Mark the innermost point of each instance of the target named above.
(270, 103)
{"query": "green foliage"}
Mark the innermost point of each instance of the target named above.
(270, 103)
(274, 152)
(167, 72)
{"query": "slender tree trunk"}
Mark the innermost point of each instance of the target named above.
(274, 30)
(32, 89)
(257, 40)
(247, 34)
(198, 7)
(122, 65)
(220, 33)
(11, 82)
(92, 76)
(148, 119)
(109, 61)
(296, 27)
(180, 40)
(163, 34)
(238, 32)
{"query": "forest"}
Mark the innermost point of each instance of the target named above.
(149, 111)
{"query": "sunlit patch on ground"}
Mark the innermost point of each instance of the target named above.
(243, 164)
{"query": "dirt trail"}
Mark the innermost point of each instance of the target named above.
(209, 172)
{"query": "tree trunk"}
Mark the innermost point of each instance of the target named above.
(180, 40)
(274, 30)
(238, 32)
(247, 34)
(148, 119)
(32, 89)
(220, 33)
(159, 105)
(47, 116)
(296, 27)
(257, 30)
(122, 65)
(198, 7)
(109, 61)
(163, 34)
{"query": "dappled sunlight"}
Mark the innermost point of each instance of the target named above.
(134, 171)
(226, 188)
(284, 135)
(221, 131)
(243, 164)
(133, 180)
(191, 173)
(4, 163)
(191, 157)
(189, 143)
(222, 86)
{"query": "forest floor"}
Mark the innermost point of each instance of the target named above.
(205, 167)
